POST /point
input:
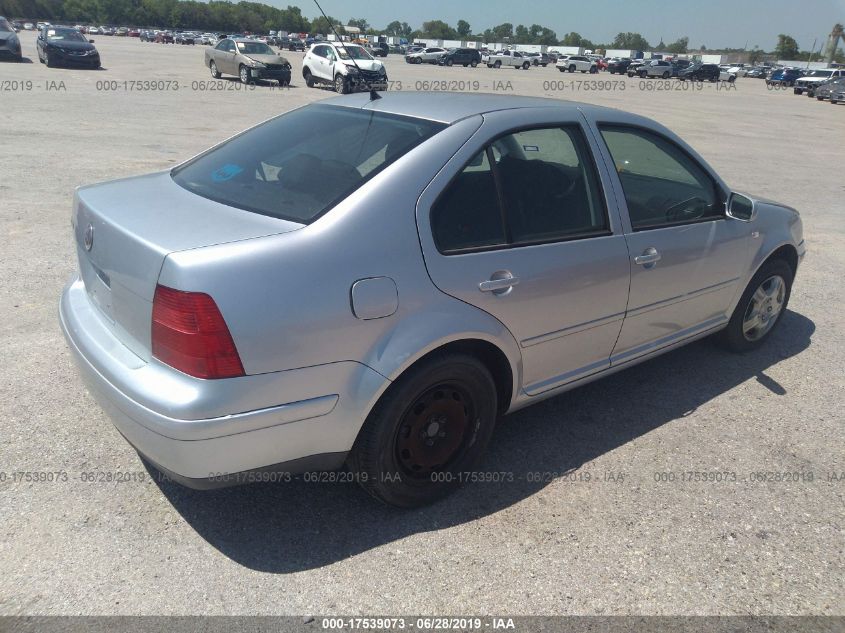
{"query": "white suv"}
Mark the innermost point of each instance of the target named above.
(347, 67)
(576, 62)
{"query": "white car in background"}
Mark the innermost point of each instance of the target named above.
(739, 70)
(347, 67)
(572, 63)
(428, 55)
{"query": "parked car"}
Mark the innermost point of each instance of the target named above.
(442, 290)
(134, 33)
(248, 60)
(185, 38)
(824, 90)
(634, 67)
(759, 72)
(164, 37)
(64, 46)
(461, 56)
(657, 68)
(814, 78)
(428, 55)
(737, 70)
(346, 67)
(618, 66)
(28, 26)
(514, 59)
(572, 63)
(10, 45)
(380, 49)
(784, 77)
(539, 59)
(701, 72)
(121, 32)
(837, 95)
(295, 44)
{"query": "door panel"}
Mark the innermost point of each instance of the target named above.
(548, 262)
(686, 255)
(689, 288)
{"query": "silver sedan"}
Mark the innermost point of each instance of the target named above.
(372, 283)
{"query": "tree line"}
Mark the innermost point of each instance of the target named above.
(255, 17)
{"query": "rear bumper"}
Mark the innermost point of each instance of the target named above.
(195, 430)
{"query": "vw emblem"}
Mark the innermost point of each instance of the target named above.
(88, 238)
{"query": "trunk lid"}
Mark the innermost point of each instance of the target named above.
(126, 228)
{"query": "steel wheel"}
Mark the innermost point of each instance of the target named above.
(764, 308)
(434, 430)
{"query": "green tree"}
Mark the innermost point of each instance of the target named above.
(633, 41)
(464, 29)
(787, 47)
(438, 30)
(361, 23)
(678, 47)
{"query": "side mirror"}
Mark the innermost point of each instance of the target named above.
(740, 207)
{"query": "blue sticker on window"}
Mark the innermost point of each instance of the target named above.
(226, 172)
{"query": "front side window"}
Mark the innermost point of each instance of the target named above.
(300, 164)
(662, 184)
(529, 187)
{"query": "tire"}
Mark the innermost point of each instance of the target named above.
(819, 98)
(739, 336)
(435, 420)
(51, 63)
(561, 69)
(526, 65)
(341, 86)
(473, 63)
(213, 68)
(244, 74)
(594, 70)
(449, 62)
(571, 68)
(309, 78)
(833, 102)
(666, 75)
(797, 91)
(497, 64)
(731, 79)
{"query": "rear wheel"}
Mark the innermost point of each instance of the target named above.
(449, 62)
(572, 68)
(432, 424)
(526, 65)
(497, 64)
(760, 308)
(667, 74)
(473, 63)
(213, 68)
(309, 78)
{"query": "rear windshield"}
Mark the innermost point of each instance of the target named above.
(299, 165)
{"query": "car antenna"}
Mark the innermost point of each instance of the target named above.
(373, 94)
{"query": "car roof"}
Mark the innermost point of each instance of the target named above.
(448, 107)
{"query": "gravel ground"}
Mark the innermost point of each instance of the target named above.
(607, 538)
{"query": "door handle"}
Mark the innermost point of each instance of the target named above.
(500, 285)
(649, 256)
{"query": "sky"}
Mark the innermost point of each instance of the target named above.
(714, 23)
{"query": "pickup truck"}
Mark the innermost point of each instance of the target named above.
(508, 58)
(809, 83)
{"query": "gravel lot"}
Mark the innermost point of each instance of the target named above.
(605, 539)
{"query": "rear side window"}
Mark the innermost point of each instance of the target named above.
(298, 165)
(529, 187)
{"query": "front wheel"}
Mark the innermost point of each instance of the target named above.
(449, 62)
(473, 63)
(431, 426)
(760, 308)
(497, 64)
(341, 86)
(214, 72)
(572, 68)
(666, 75)
(526, 66)
(245, 74)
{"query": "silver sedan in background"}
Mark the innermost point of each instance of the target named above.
(371, 283)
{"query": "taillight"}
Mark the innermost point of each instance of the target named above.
(190, 335)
